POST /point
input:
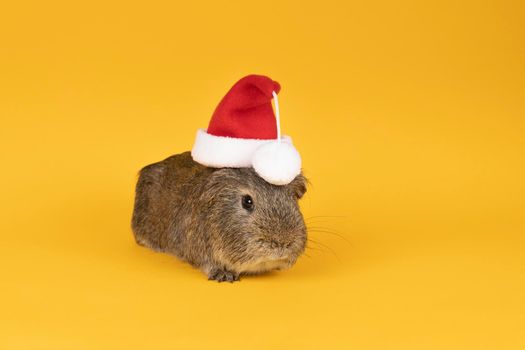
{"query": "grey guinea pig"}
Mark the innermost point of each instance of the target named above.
(225, 221)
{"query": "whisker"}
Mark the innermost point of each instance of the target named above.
(327, 247)
(325, 216)
(316, 230)
(313, 248)
(324, 228)
(321, 226)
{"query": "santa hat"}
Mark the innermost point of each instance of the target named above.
(245, 132)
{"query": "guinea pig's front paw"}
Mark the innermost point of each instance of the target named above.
(221, 275)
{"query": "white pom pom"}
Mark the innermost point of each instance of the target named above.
(277, 163)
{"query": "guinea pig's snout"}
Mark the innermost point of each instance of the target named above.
(288, 240)
(280, 244)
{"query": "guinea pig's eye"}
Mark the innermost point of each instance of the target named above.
(247, 202)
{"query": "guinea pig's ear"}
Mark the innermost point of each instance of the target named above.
(298, 186)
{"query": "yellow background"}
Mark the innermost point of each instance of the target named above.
(409, 116)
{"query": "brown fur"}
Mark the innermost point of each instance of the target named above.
(195, 212)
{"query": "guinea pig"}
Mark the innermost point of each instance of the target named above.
(227, 222)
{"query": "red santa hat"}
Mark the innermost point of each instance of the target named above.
(245, 132)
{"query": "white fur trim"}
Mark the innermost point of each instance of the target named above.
(277, 162)
(227, 152)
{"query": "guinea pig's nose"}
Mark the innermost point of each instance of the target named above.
(284, 243)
